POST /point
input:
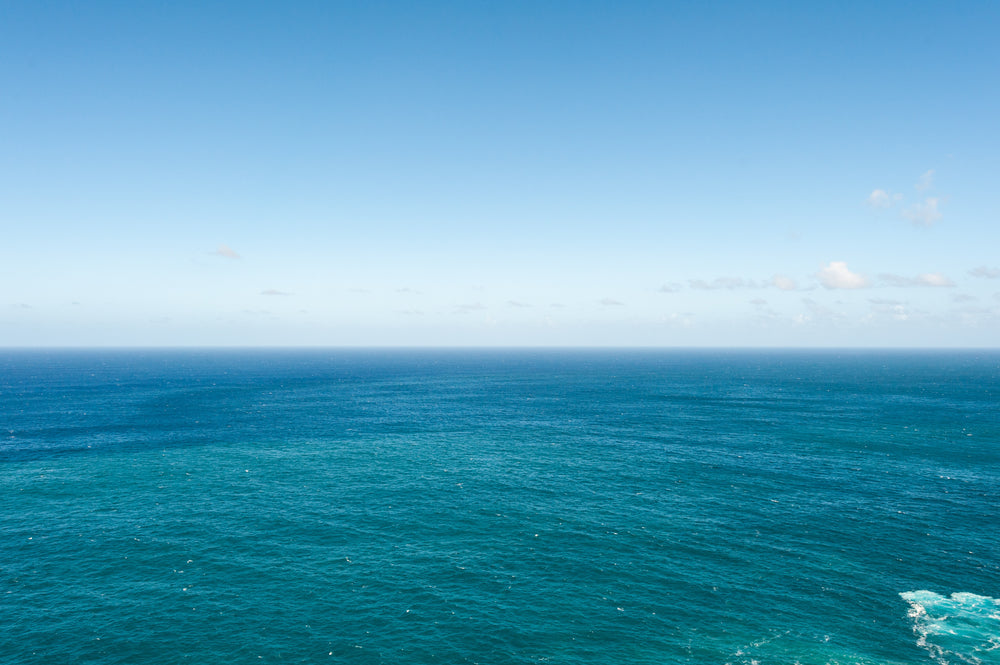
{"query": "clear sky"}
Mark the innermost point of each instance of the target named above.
(500, 173)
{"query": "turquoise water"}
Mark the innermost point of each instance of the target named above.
(499, 507)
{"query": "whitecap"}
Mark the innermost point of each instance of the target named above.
(961, 628)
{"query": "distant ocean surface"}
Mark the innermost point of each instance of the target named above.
(494, 507)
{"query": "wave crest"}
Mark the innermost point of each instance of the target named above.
(961, 628)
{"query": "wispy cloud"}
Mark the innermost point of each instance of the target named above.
(729, 283)
(611, 302)
(465, 308)
(669, 288)
(227, 252)
(880, 198)
(963, 297)
(407, 289)
(925, 181)
(818, 312)
(985, 273)
(682, 319)
(897, 311)
(784, 283)
(517, 303)
(932, 279)
(274, 292)
(836, 275)
(924, 214)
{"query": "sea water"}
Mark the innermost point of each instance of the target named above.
(372, 506)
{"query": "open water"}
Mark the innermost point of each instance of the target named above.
(334, 506)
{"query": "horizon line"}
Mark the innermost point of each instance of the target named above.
(471, 347)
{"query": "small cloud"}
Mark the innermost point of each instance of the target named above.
(985, 273)
(759, 302)
(924, 214)
(885, 301)
(933, 279)
(611, 302)
(837, 276)
(274, 292)
(729, 283)
(784, 283)
(669, 288)
(227, 252)
(516, 303)
(22, 305)
(411, 312)
(469, 307)
(897, 311)
(963, 297)
(557, 305)
(819, 312)
(880, 198)
(925, 181)
(407, 289)
(683, 319)
(358, 290)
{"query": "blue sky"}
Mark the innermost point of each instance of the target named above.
(502, 173)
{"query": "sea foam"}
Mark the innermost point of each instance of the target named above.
(962, 628)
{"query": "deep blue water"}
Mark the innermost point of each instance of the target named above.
(326, 506)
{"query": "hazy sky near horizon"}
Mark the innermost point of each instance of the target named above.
(492, 173)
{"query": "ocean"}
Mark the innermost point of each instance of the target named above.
(717, 507)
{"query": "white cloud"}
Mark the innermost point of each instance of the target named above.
(819, 312)
(611, 302)
(880, 198)
(227, 252)
(274, 292)
(683, 319)
(838, 276)
(925, 181)
(517, 303)
(469, 307)
(924, 214)
(985, 273)
(669, 288)
(784, 283)
(933, 279)
(721, 283)
(759, 302)
(963, 297)
(891, 309)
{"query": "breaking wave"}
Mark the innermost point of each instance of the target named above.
(961, 628)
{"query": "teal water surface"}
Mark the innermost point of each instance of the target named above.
(326, 506)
